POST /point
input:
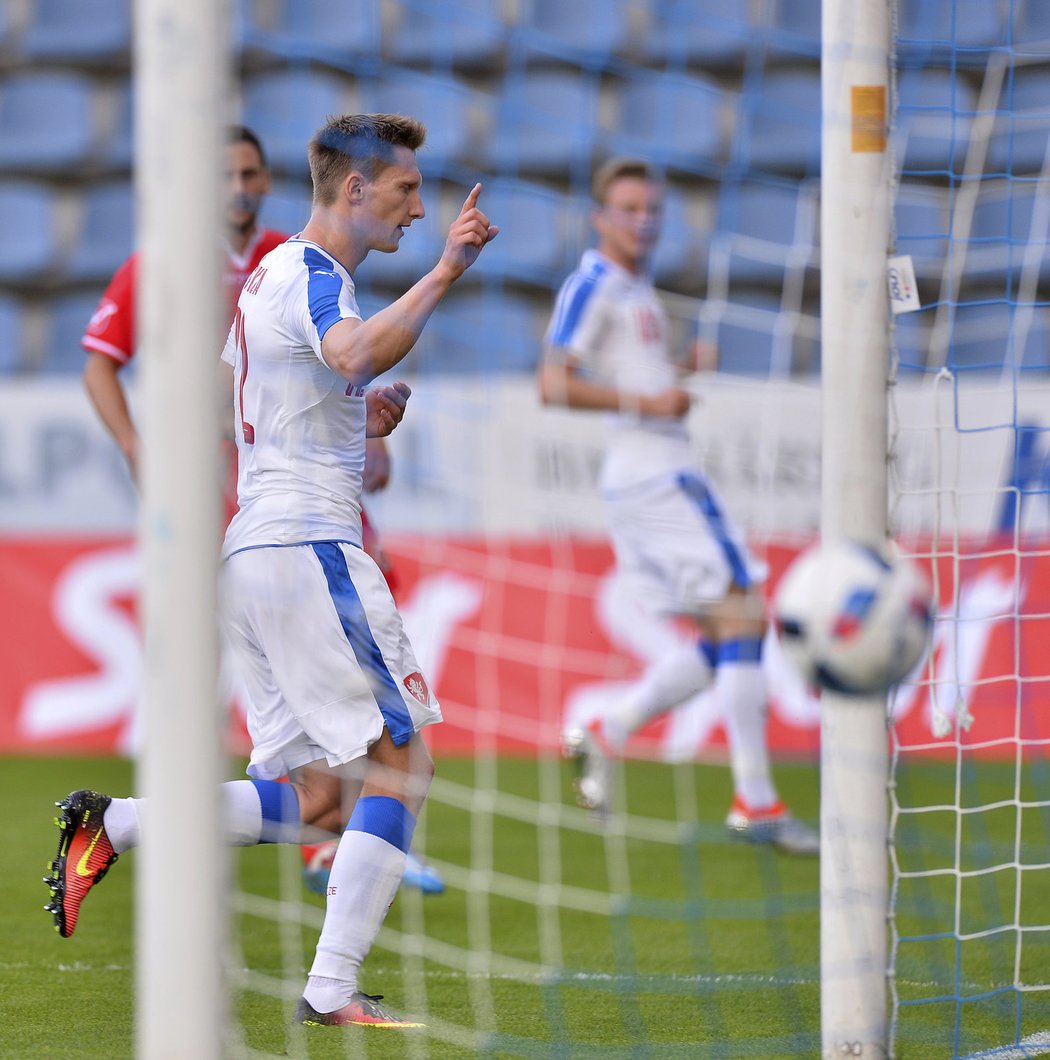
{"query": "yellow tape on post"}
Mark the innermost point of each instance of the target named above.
(868, 118)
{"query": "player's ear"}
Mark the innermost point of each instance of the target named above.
(354, 187)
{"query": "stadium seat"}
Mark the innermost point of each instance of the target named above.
(922, 221)
(671, 119)
(778, 125)
(1009, 234)
(934, 118)
(450, 111)
(285, 109)
(794, 28)
(68, 317)
(491, 335)
(27, 220)
(546, 123)
(960, 33)
(106, 234)
(999, 336)
(311, 29)
(1032, 27)
(79, 31)
(587, 32)
(752, 337)
(287, 207)
(12, 354)
(1020, 138)
(911, 341)
(763, 229)
(680, 257)
(45, 121)
(539, 234)
(709, 32)
(445, 33)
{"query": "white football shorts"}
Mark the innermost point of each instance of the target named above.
(323, 655)
(676, 547)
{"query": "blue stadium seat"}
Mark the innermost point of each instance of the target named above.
(671, 119)
(314, 29)
(287, 207)
(45, 121)
(1022, 127)
(934, 119)
(539, 233)
(27, 220)
(444, 33)
(12, 354)
(922, 220)
(778, 126)
(106, 235)
(911, 339)
(492, 336)
(794, 28)
(447, 108)
(681, 254)
(588, 32)
(285, 109)
(546, 123)
(69, 317)
(79, 31)
(960, 33)
(1008, 234)
(1032, 27)
(708, 32)
(749, 340)
(999, 336)
(763, 229)
(117, 151)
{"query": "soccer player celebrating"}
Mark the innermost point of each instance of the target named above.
(336, 698)
(676, 550)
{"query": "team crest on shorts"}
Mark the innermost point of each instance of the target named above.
(417, 686)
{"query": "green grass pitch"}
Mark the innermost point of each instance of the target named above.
(714, 954)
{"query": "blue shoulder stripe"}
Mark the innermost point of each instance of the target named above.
(572, 300)
(323, 286)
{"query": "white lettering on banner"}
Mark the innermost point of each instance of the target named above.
(85, 610)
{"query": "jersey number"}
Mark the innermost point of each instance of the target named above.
(247, 430)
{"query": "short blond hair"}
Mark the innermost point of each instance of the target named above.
(619, 169)
(364, 142)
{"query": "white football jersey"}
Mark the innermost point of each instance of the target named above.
(300, 427)
(613, 326)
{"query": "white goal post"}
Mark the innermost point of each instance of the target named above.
(855, 225)
(180, 84)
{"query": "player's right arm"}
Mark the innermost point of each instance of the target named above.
(107, 395)
(360, 350)
(561, 383)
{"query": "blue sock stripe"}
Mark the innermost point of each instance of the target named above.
(387, 818)
(280, 811)
(709, 651)
(740, 650)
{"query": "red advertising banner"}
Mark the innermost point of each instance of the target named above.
(516, 635)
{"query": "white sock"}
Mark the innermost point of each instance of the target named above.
(668, 683)
(741, 686)
(242, 817)
(365, 877)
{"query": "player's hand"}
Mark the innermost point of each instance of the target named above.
(385, 408)
(467, 235)
(671, 404)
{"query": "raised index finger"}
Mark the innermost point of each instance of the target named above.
(471, 200)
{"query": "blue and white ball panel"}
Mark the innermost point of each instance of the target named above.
(324, 655)
(677, 547)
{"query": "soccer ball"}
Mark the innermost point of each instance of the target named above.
(854, 619)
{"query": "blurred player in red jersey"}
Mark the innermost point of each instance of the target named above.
(110, 342)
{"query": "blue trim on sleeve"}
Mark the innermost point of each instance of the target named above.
(323, 287)
(385, 817)
(709, 651)
(572, 301)
(740, 650)
(280, 810)
(694, 487)
(352, 617)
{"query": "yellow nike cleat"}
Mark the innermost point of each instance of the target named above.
(84, 856)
